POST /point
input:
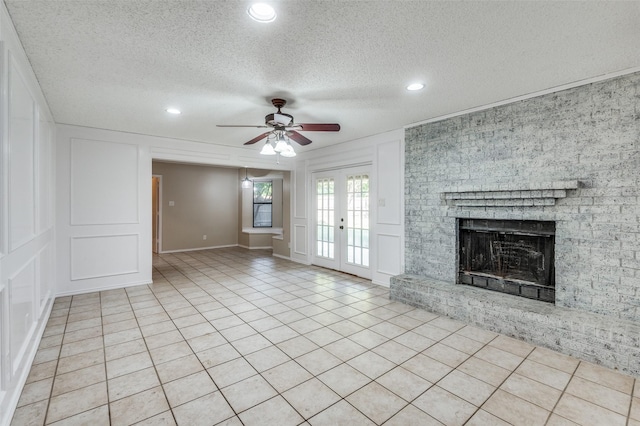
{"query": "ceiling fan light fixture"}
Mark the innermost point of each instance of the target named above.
(281, 144)
(262, 12)
(415, 87)
(174, 111)
(267, 149)
(289, 152)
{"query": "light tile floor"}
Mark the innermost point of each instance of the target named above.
(233, 336)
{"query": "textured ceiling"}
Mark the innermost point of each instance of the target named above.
(118, 64)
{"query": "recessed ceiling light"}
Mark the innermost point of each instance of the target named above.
(262, 12)
(415, 86)
(173, 111)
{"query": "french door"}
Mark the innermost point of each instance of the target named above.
(341, 223)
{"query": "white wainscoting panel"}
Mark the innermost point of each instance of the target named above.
(300, 239)
(104, 182)
(21, 307)
(389, 249)
(45, 275)
(104, 255)
(299, 191)
(5, 355)
(26, 216)
(21, 159)
(389, 174)
(45, 176)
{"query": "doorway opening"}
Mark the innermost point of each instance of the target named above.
(156, 213)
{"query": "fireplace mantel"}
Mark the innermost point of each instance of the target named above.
(510, 194)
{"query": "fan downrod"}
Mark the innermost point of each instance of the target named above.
(278, 103)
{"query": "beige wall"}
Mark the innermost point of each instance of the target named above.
(281, 206)
(243, 239)
(205, 203)
(209, 201)
(281, 247)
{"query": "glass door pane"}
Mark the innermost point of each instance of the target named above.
(325, 245)
(357, 188)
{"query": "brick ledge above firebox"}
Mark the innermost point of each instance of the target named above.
(611, 342)
(510, 194)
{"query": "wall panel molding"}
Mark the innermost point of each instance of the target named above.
(44, 173)
(299, 189)
(300, 239)
(21, 286)
(21, 150)
(100, 192)
(4, 166)
(389, 254)
(388, 169)
(100, 256)
(27, 183)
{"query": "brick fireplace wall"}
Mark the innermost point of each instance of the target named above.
(497, 163)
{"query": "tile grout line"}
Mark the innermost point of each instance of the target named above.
(313, 376)
(194, 353)
(233, 275)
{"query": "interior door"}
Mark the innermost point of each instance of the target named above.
(342, 220)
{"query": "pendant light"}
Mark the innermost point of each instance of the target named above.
(246, 182)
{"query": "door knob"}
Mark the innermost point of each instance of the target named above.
(341, 227)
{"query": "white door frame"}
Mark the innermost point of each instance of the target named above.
(339, 262)
(159, 219)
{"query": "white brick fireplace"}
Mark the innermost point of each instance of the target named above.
(570, 157)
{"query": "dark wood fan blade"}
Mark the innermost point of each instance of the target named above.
(241, 125)
(257, 138)
(311, 127)
(298, 138)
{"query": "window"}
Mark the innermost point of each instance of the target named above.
(262, 199)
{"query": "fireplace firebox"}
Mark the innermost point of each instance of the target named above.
(510, 256)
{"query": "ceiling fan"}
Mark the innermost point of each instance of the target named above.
(282, 128)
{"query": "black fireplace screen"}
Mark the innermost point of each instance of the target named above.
(514, 257)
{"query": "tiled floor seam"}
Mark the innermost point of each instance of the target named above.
(499, 385)
(152, 363)
(443, 377)
(188, 287)
(55, 373)
(203, 366)
(562, 394)
(306, 419)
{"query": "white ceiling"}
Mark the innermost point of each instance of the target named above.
(118, 64)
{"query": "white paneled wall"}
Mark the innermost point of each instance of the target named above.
(21, 144)
(103, 202)
(104, 175)
(103, 188)
(27, 257)
(389, 205)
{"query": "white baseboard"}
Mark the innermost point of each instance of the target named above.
(281, 256)
(256, 248)
(12, 395)
(197, 248)
(302, 262)
(103, 288)
(381, 283)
